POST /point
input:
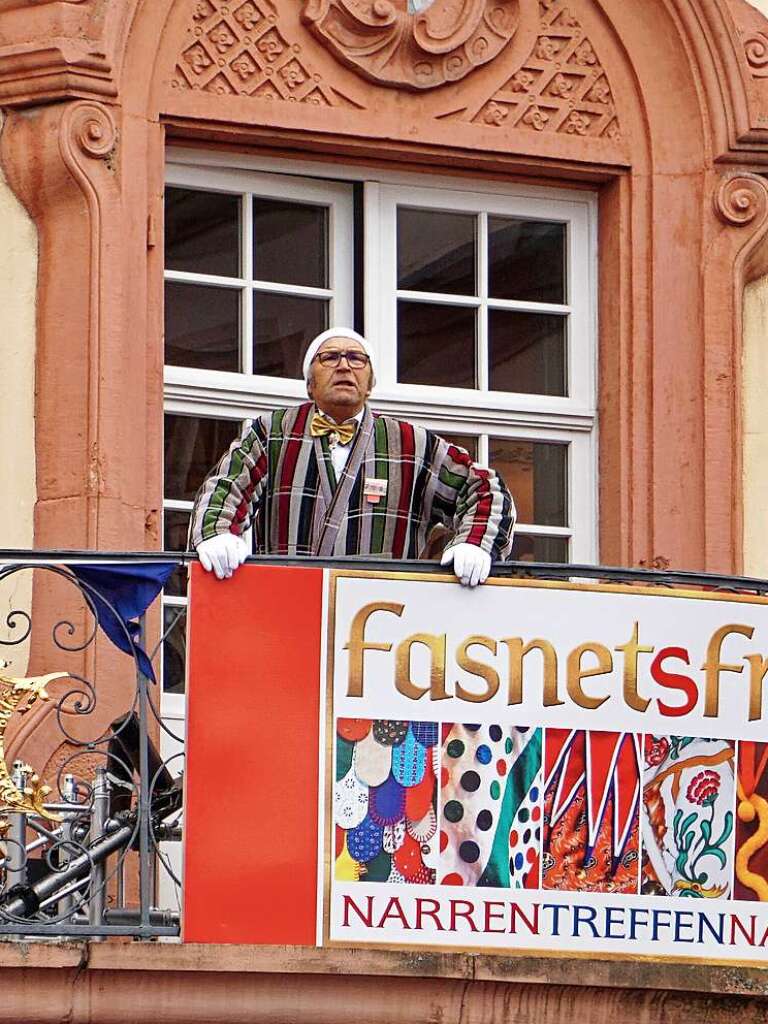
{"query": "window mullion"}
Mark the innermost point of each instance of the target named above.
(246, 333)
(482, 319)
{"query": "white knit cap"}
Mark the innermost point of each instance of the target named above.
(333, 332)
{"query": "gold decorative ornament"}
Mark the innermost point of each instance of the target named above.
(18, 696)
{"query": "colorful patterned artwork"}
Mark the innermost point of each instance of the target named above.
(384, 801)
(490, 814)
(591, 811)
(513, 807)
(751, 860)
(688, 817)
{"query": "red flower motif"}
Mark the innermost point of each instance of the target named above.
(703, 788)
(655, 750)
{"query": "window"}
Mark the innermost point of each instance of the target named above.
(479, 301)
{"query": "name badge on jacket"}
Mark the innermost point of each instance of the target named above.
(374, 489)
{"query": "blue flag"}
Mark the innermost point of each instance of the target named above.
(129, 590)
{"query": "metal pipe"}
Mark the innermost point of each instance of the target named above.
(35, 844)
(126, 916)
(98, 895)
(66, 808)
(146, 861)
(120, 896)
(16, 850)
(16, 856)
(69, 792)
(66, 893)
(544, 570)
(15, 905)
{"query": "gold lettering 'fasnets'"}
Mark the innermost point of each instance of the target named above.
(357, 645)
(425, 665)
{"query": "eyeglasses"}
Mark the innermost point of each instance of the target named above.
(333, 356)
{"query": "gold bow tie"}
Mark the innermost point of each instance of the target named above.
(337, 433)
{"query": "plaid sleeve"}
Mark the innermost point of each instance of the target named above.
(475, 501)
(228, 499)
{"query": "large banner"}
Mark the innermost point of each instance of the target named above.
(530, 766)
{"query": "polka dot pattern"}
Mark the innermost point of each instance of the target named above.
(490, 785)
(483, 754)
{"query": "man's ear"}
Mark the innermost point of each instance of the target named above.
(310, 382)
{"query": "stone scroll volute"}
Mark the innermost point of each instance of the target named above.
(414, 44)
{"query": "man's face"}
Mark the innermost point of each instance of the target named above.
(339, 390)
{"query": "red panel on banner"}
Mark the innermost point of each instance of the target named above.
(250, 867)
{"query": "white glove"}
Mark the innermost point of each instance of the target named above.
(470, 563)
(222, 553)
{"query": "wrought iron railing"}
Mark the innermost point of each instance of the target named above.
(83, 844)
(87, 839)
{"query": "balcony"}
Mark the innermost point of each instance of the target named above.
(91, 763)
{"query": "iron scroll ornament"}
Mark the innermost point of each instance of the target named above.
(413, 44)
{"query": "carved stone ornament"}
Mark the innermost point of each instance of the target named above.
(562, 86)
(242, 48)
(92, 128)
(756, 52)
(414, 44)
(741, 198)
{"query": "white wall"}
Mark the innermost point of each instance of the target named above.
(761, 5)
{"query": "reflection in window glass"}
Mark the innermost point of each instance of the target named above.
(283, 326)
(466, 441)
(526, 260)
(530, 548)
(436, 345)
(175, 529)
(290, 243)
(202, 232)
(193, 446)
(202, 326)
(536, 474)
(174, 649)
(527, 352)
(436, 251)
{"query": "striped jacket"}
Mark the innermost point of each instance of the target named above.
(281, 480)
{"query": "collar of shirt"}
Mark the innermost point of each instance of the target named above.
(358, 417)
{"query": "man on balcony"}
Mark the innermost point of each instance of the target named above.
(330, 478)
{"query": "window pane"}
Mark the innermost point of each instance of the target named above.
(526, 260)
(193, 446)
(283, 326)
(436, 345)
(174, 649)
(527, 352)
(290, 242)
(202, 326)
(463, 441)
(436, 251)
(175, 528)
(202, 232)
(536, 474)
(528, 548)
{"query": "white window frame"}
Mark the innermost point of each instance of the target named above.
(382, 203)
(570, 419)
(340, 291)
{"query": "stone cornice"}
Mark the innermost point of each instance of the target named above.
(53, 69)
(13, 5)
(54, 49)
